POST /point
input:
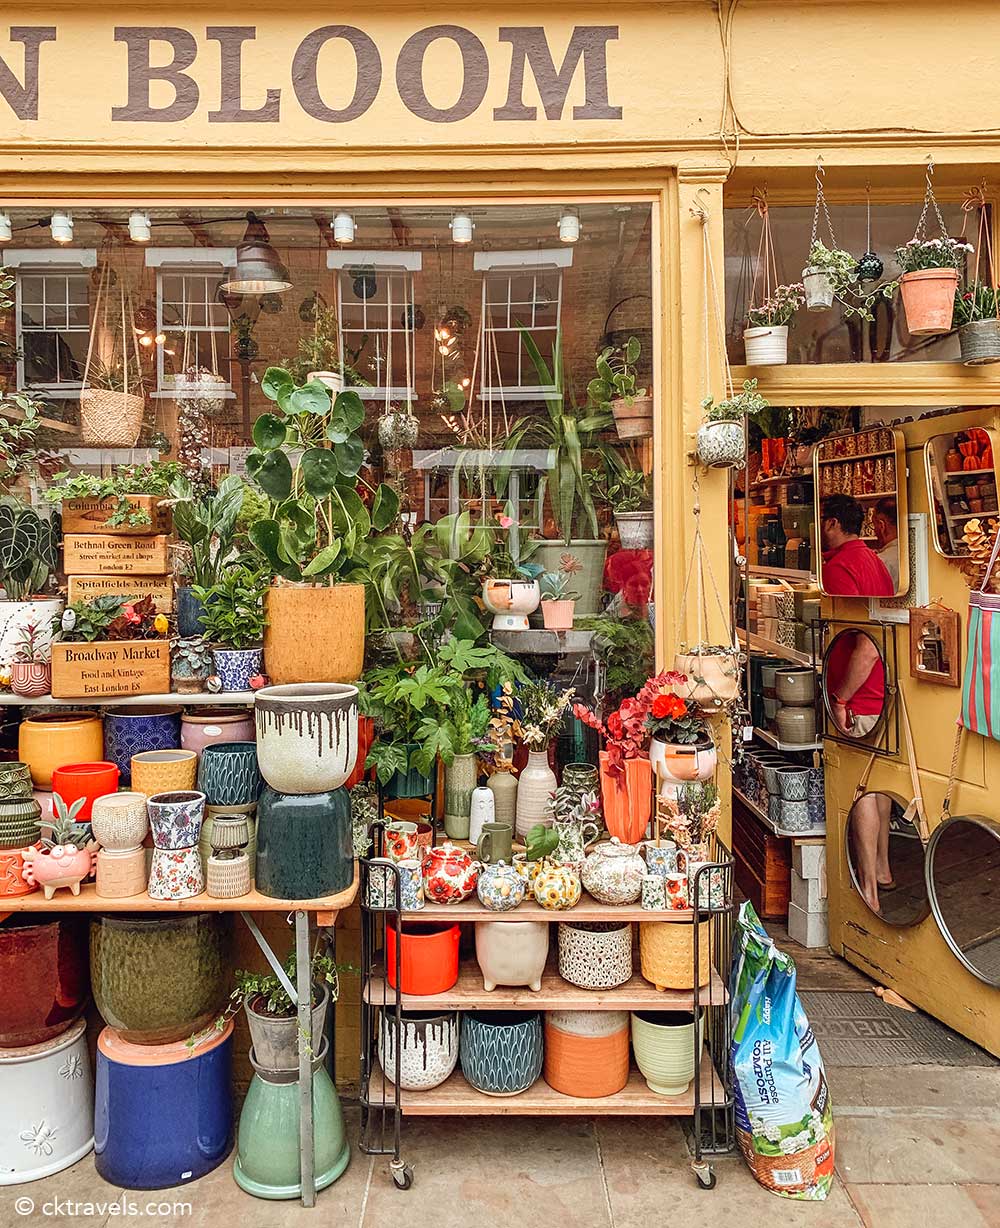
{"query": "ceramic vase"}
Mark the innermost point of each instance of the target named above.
(234, 667)
(459, 782)
(557, 887)
(12, 880)
(274, 1038)
(512, 953)
(15, 780)
(536, 782)
(428, 1049)
(164, 771)
(586, 1052)
(87, 780)
(189, 611)
(119, 821)
(121, 873)
(665, 1050)
(175, 818)
(501, 1051)
(175, 874)
(595, 954)
(43, 969)
(129, 731)
(503, 785)
(47, 740)
(305, 847)
(627, 798)
(29, 679)
(228, 774)
(613, 872)
(203, 726)
(307, 735)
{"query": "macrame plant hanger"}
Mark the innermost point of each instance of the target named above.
(766, 265)
(105, 420)
(975, 198)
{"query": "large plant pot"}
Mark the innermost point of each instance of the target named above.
(633, 418)
(307, 735)
(87, 780)
(15, 616)
(409, 784)
(204, 726)
(47, 740)
(164, 771)
(275, 1037)
(627, 799)
(665, 1049)
(459, 781)
(929, 300)
(161, 978)
(536, 782)
(595, 954)
(712, 678)
(501, 1051)
(512, 953)
(189, 611)
(236, 666)
(48, 1096)
(300, 618)
(979, 341)
(43, 971)
(666, 953)
(766, 347)
(675, 763)
(228, 774)
(722, 445)
(588, 582)
(586, 1052)
(635, 530)
(305, 848)
(428, 1052)
(428, 957)
(128, 731)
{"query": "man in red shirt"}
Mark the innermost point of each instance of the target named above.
(850, 568)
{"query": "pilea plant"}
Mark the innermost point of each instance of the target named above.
(736, 408)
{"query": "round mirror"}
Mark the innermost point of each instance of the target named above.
(886, 859)
(854, 683)
(963, 879)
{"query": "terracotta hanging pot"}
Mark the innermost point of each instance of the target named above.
(929, 300)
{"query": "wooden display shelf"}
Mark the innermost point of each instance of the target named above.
(760, 643)
(839, 460)
(587, 910)
(773, 740)
(455, 1097)
(763, 817)
(219, 700)
(780, 573)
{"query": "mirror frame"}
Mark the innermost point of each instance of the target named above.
(989, 825)
(883, 737)
(896, 925)
(902, 510)
(932, 500)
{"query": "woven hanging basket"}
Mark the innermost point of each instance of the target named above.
(110, 419)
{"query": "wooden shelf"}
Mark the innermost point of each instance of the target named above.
(781, 573)
(783, 479)
(529, 910)
(839, 460)
(763, 817)
(965, 473)
(455, 1097)
(131, 701)
(772, 740)
(970, 515)
(760, 643)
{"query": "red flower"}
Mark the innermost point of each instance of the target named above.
(668, 705)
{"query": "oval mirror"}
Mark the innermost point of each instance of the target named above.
(854, 684)
(886, 859)
(963, 881)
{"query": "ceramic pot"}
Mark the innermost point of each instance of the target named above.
(589, 581)
(510, 602)
(43, 969)
(428, 957)
(613, 872)
(793, 783)
(627, 799)
(795, 686)
(129, 731)
(409, 784)
(635, 530)
(557, 887)
(503, 785)
(675, 762)
(234, 667)
(204, 726)
(979, 341)
(160, 977)
(399, 841)
(666, 953)
(189, 611)
(581, 778)
(529, 871)
(500, 887)
(712, 678)
(558, 615)
(794, 815)
(501, 1051)
(217, 821)
(449, 874)
(459, 781)
(86, 780)
(305, 849)
(121, 873)
(175, 818)
(164, 771)
(227, 875)
(664, 1047)
(654, 892)
(595, 955)
(586, 1052)
(766, 346)
(536, 782)
(19, 821)
(16, 615)
(722, 445)
(660, 858)
(633, 417)
(119, 821)
(15, 780)
(190, 1131)
(301, 616)
(512, 953)
(929, 300)
(366, 738)
(228, 774)
(428, 1052)
(12, 880)
(574, 836)
(47, 740)
(818, 284)
(275, 1037)
(48, 1097)
(61, 866)
(176, 874)
(29, 679)
(796, 726)
(307, 735)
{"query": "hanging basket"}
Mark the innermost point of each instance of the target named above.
(766, 346)
(980, 342)
(722, 445)
(110, 419)
(713, 675)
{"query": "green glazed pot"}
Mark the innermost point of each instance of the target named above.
(459, 781)
(410, 783)
(305, 848)
(589, 581)
(18, 816)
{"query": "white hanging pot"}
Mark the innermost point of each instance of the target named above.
(766, 346)
(332, 379)
(819, 289)
(721, 445)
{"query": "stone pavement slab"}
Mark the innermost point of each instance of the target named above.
(927, 1206)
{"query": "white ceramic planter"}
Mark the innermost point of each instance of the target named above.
(119, 821)
(819, 289)
(699, 764)
(664, 1048)
(722, 445)
(510, 602)
(766, 347)
(332, 379)
(536, 782)
(47, 1092)
(635, 530)
(307, 735)
(595, 955)
(428, 1052)
(512, 952)
(15, 615)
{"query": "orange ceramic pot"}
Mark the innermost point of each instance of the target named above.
(627, 799)
(366, 735)
(87, 780)
(50, 739)
(428, 957)
(12, 880)
(586, 1052)
(929, 300)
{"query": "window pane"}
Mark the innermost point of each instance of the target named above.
(72, 352)
(79, 317)
(55, 314)
(78, 290)
(32, 291)
(40, 365)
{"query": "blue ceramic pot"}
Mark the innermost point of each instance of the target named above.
(228, 774)
(128, 731)
(189, 611)
(236, 666)
(304, 844)
(501, 1051)
(410, 783)
(191, 1130)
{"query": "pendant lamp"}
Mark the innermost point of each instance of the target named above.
(258, 267)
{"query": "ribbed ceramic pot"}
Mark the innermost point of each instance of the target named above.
(227, 875)
(176, 874)
(18, 816)
(48, 1096)
(536, 782)
(459, 781)
(160, 978)
(29, 679)
(595, 954)
(234, 667)
(503, 786)
(586, 1052)
(203, 726)
(512, 953)
(164, 771)
(121, 873)
(129, 731)
(581, 778)
(15, 780)
(208, 830)
(43, 971)
(305, 848)
(307, 735)
(175, 818)
(664, 1047)
(501, 1051)
(119, 821)
(428, 1052)
(228, 774)
(47, 740)
(795, 686)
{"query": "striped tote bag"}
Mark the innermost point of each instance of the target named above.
(980, 688)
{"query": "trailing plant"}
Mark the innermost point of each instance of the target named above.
(736, 408)
(977, 302)
(29, 549)
(265, 994)
(942, 253)
(778, 309)
(543, 707)
(191, 657)
(20, 422)
(233, 607)
(63, 829)
(205, 521)
(32, 647)
(845, 280)
(625, 647)
(109, 618)
(153, 479)
(540, 842)
(616, 375)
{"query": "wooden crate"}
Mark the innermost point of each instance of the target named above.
(89, 554)
(131, 588)
(107, 669)
(763, 863)
(91, 516)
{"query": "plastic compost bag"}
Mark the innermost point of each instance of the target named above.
(784, 1117)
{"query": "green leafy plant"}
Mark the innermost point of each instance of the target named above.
(624, 647)
(29, 549)
(616, 375)
(109, 618)
(205, 521)
(20, 422)
(942, 253)
(233, 607)
(32, 646)
(118, 375)
(976, 302)
(467, 722)
(737, 408)
(555, 586)
(501, 564)
(842, 269)
(153, 479)
(778, 308)
(540, 842)
(264, 993)
(626, 490)
(63, 829)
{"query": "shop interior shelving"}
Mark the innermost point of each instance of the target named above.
(765, 818)
(216, 698)
(759, 643)
(774, 741)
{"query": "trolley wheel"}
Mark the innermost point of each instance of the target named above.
(706, 1176)
(402, 1176)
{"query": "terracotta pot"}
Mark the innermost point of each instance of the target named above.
(586, 1052)
(428, 957)
(929, 300)
(86, 780)
(627, 800)
(203, 726)
(307, 735)
(300, 618)
(634, 418)
(512, 953)
(30, 678)
(43, 969)
(164, 771)
(558, 615)
(12, 880)
(48, 740)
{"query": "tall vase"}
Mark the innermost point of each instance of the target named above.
(459, 781)
(503, 786)
(534, 785)
(627, 799)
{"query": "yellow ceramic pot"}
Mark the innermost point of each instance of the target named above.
(164, 771)
(666, 953)
(557, 887)
(50, 740)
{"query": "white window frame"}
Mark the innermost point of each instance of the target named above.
(184, 269)
(66, 264)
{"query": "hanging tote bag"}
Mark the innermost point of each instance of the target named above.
(981, 680)
(112, 417)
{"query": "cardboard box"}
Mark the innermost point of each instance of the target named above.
(92, 515)
(107, 669)
(809, 858)
(808, 929)
(806, 894)
(131, 588)
(89, 554)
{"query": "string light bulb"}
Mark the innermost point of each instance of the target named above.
(461, 226)
(61, 225)
(139, 227)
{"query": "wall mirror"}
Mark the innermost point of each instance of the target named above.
(855, 689)
(860, 495)
(886, 859)
(961, 485)
(963, 881)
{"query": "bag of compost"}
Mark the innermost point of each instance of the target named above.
(784, 1118)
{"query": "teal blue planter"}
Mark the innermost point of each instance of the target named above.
(501, 1051)
(410, 783)
(305, 847)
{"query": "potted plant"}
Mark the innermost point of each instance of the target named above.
(29, 552)
(833, 273)
(558, 600)
(113, 400)
(31, 668)
(318, 354)
(543, 707)
(722, 435)
(929, 281)
(190, 665)
(108, 646)
(233, 618)
(615, 389)
(66, 855)
(510, 586)
(680, 746)
(977, 314)
(711, 673)
(464, 729)
(314, 538)
(628, 494)
(205, 521)
(766, 333)
(131, 501)
(626, 778)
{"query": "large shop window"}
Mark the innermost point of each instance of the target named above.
(53, 326)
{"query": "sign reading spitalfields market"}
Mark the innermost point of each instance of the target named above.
(159, 87)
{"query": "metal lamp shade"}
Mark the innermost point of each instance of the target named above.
(258, 271)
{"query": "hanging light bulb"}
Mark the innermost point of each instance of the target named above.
(259, 269)
(569, 226)
(462, 227)
(5, 229)
(61, 225)
(138, 227)
(343, 228)
(146, 339)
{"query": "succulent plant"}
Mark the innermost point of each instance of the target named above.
(192, 658)
(64, 829)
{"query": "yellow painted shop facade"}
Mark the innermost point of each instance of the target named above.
(685, 107)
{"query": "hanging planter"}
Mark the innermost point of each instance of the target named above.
(979, 341)
(112, 400)
(977, 307)
(765, 336)
(722, 436)
(930, 272)
(713, 674)
(616, 388)
(818, 286)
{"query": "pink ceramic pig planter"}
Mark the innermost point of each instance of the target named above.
(68, 854)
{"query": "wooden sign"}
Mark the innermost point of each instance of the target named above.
(92, 516)
(88, 554)
(106, 669)
(935, 648)
(129, 588)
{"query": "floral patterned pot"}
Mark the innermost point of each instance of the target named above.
(43, 969)
(512, 953)
(307, 735)
(501, 1051)
(236, 666)
(612, 872)
(119, 821)
(500, 888)
(449, 874)
(228, 774)
(595, 954)
(429, 1050)
(176, 874)
(557, 887)
(175, 818)
(129, 731)
(586, 1052)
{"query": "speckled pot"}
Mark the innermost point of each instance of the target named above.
(595, 954)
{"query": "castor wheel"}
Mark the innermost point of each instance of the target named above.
(706, 1176)
(402, 1175)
